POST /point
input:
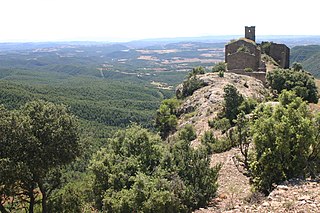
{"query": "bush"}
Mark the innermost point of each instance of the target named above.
(286, 143)
(137, 172)
(248, 69)
(71, 198)
(244, 49)
(188, 133)
(222, 145)
(248, 105)
(189, 86)
(166, 118)
(221, 74)
(207, 141)
(299, 82)
(194, 172)
(215, 145)
(220, 67)
(296, 66)
(232, 100)
(197, 71)
(222, 124)
(265, 47)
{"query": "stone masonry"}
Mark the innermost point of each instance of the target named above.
(244, 55)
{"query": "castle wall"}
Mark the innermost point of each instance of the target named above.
(251, 56)
(242, 60)
(281, 54)
(258, 75)
(234, 46)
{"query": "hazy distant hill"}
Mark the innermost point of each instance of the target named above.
(308, 56)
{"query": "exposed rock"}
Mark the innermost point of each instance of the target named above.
(207, 101)
(305, 197)
(282, 187)
(179, 90)
(293, 196)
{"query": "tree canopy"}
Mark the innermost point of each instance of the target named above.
(232, 101)
(298, 81)
(166, 118)
(35, 142)
(136, 171)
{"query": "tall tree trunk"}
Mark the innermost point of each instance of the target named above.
(2, 209)
(44, 197)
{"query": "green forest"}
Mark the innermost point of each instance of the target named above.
(308, 56)
(77, 138)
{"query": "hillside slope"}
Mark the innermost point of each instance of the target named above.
(234, 192)
(205, 104)
(308, 56)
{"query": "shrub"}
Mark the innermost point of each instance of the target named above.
(187, 133)
(299, 82)
(70, 198)
(207, 141)
(265, 47)
(221, 74)
(215, 145)
(220, 67)
(137, 172)
(197, 179)
(166, 119)
(222, 124)
(197, 71)
(296, 66)
(243, 49)
(222, 145)
(248, 105)
(189, 86)
(248, 69)
(286, 143)
(232, 100)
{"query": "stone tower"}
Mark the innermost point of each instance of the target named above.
(250, 33)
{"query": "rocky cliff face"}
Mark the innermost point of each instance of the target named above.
(207, 102)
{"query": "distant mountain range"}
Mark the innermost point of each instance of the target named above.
(290, 40)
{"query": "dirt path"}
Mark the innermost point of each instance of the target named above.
(233, 185)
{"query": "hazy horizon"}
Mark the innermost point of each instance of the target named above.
(186, 38)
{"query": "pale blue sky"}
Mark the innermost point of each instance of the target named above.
(119, 20)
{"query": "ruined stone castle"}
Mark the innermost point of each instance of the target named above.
(243, 56)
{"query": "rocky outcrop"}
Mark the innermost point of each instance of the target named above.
(207, 102)
(291, 196)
